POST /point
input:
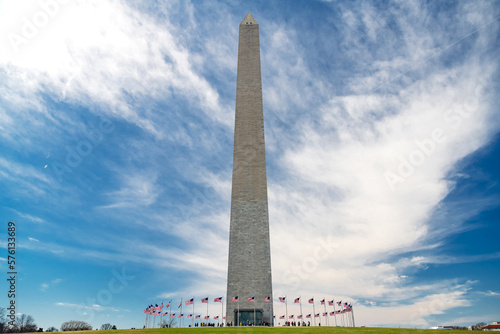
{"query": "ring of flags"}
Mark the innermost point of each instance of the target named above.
(156, 310)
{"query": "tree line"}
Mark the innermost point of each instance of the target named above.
(26, 324)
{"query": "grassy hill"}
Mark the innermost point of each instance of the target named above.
(280, 330)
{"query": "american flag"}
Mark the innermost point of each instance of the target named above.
(346, 305)
(235, 299)
(145, 310)
(189, 302)
(157, 307)
(290, 316)
(317, 315)
(311, 301)
(205, 300)
(190, 316)
(207, 317)
(181, 315)
(322, 302)
(158, 313)
(251, 300)
(325, 314)
(168, 304)
(297, 300)
(197, 316)
(332, 313)
(172, 315)
(337, 312)
(267, 299)
(339, 303)
(165, 314)
(216, 317)
(299, 316)
(282, 317)
(330, 303)
(282, 299)
(308, 316)
(218, 300)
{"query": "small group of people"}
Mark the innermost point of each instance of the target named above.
(249, 323)
(298, 323)
(210, 324)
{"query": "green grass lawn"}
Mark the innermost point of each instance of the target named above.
(280, 330)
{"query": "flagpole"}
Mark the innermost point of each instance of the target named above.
(146, 323)
(324, 304)
(254, 312)
(300, 304)
(207, 305)
(170, 314)
(192, 319)
(238, 311)
(314, 313)
(222, 310)
(286, 311)
(182, 319)
(352, 314)
(334, 313)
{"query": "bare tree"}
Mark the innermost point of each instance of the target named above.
(3, 319)
(74, 325)
(25, 324)
(106, 327)
(169, 322)
(52, 329)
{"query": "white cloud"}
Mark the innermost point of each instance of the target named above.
(115, 61)
(33, 239)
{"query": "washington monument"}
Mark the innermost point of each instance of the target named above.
(249, 267)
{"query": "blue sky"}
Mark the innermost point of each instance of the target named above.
(382, 139)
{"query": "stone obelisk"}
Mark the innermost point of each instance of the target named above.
(249, 267)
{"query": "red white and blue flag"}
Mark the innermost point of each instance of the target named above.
(325, 314)
(317, 315)
(308, 316)
(235, 299)
(216, 317)
(339, 303)
(290, 316)
(164, 314)
(197, 316)
(282, 317)
(251, 300)
(330, 303)
(189, 302)
(332, 313)
(172, 315)
(322, 302)
(218, 300)
(282, 299)
(311, 301)
(168, 304)
(190, 316)
(299, 316)
(267, 299)
(205, 300)
(207, 317)
(181, 315)
(297, 300)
